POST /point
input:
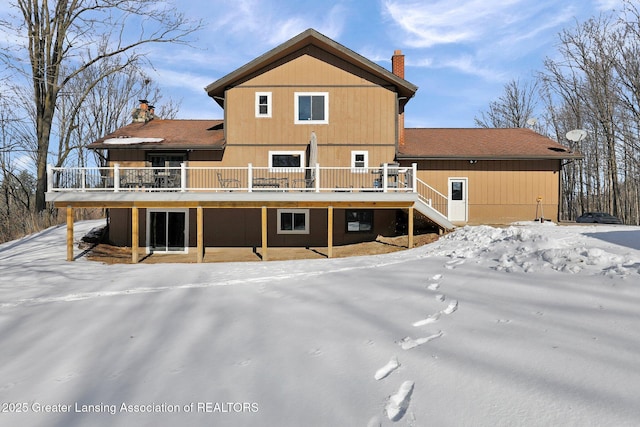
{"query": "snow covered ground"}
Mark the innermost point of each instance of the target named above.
(529, 325)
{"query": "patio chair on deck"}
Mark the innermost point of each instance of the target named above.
(228, 182)
(129, 179)
(147, 179)
(304, 183)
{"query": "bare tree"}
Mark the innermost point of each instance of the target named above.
(93, 106)
(55, 34)
(513, 108)
(594, 85)
(17, 185)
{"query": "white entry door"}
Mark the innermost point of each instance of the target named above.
(458, 204)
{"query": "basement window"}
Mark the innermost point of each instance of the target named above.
(293, 221)
(359, 220)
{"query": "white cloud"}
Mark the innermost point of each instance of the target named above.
(607, 5)
(426, 62)
(183, 80)
(475, 22)
(284, 30)
(477, 38)
(445, 22)
(467, 64)
(255, 25)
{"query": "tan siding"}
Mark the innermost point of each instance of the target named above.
(360, 112)
(499, 191)
(312, 69)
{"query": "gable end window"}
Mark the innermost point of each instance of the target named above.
(311, 107)
(263, 104)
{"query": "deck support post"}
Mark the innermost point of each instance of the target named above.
(264, 234)
(200, 234)
(410, 228)
(69, 233)
(330, 232)
(134, 235)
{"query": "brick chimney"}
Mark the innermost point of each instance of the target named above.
(397, 68)
(397, 63)
(144, 113)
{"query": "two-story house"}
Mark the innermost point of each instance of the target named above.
(312, 151)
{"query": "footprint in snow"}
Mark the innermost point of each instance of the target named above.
(7, 386)
(453, 306)
(115, 375)
(66, 377)
(315, 352)
(431, 319)
(391, 366)
(407, 343)
(450, 265)
(437, 277)
(440, 297)
(433, 286)
(399, 402)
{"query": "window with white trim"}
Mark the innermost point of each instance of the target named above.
(293, 221)
(359, 161)
(263, 104)
(311, 107)
(286, 159)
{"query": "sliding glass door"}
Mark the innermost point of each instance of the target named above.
(167, 231)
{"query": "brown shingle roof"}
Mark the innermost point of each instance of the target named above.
(480, 143)
(175, 134)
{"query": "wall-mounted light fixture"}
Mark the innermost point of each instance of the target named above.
(473, 162)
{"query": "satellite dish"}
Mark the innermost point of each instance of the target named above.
(576, 135)
(532, 121)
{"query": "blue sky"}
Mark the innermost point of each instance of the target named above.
(459, 53)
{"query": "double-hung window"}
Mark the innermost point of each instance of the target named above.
(263, 104)
(311, 107)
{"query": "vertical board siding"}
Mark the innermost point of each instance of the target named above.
(499, 191)
(360, 111)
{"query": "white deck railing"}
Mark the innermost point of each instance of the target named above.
(432, 197)
(385, 178)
